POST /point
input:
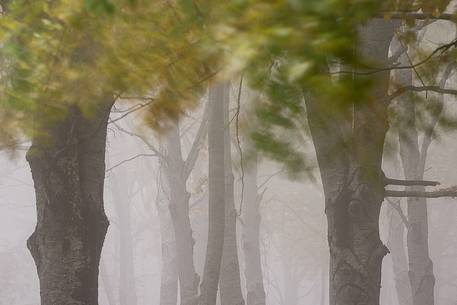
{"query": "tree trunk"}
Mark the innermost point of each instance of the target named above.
(179, 211)
(216, 180)
(251, 240)
(107, 284)
(400, 264)
(421, 277)
(68, 170)
(121, 194)
(349, 150)
(230, 283)
(169, 271)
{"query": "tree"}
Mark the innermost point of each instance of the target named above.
(68, 174)
(122, 195)
(218, 96)
(251, 240)
(230, 283)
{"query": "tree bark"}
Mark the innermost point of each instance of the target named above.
(68, 170)
(349, 148)
(216, 180)
(230, 283)
(251, 240)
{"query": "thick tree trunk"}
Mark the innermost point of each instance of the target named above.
(349, 150)
(68, 170)
(230, 283)
(421, 277)
(121, 200)
(251, 240)
(216, 180)
(179, 211)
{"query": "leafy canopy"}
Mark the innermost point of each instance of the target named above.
(63, 52)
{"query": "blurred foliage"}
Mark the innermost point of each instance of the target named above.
(63, 52)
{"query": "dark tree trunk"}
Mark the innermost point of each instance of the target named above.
(68, 170)
(251, 240)
(216, 180)
(349, 150)
(230, 284)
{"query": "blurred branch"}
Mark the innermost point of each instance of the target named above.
(419, 16)
(369, 71)
(436, 89)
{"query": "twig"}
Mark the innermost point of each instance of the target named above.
(130, 159)
(237, 134)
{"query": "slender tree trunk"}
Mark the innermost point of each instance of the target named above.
(349, 150)
(251, 240)
(68, 170)
(230, 283)
(216, 212)
(107, 284)
(179, 211)
(121, 200)
(396, 245)
(421, 277)
(169, 271)
(324, 288)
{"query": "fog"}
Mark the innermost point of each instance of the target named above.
(292, 241)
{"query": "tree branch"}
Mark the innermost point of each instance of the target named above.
(436, 89)
(389, 181)
(142, 138)
(398, 209)
(130, 159)
(369, 71)
(420, 16)
(447, 192)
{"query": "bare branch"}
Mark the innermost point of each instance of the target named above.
(446, 192)
(389, 181)
(130, 159)
(132, 110)
(398, 209)
(142, 138)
